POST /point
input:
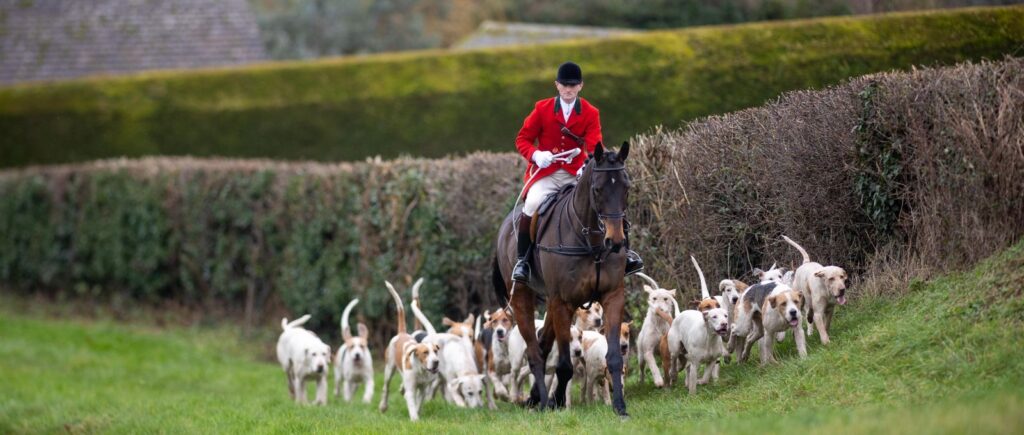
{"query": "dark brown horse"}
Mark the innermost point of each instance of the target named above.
(577, 259)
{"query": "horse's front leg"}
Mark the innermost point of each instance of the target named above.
(522, 310)
(614, 302)
(560, 318)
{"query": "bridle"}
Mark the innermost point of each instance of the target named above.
(619, 215)
(584, 247)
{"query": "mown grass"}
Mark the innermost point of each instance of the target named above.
(947, 358)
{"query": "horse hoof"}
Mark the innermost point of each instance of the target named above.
(556, 403)
(624, 417)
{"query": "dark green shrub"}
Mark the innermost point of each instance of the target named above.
(437, 103)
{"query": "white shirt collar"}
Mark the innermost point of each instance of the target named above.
(567, 108)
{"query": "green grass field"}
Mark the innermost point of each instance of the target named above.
(947, 358)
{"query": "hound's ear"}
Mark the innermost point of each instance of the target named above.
(306, 351)
(446, 321)
(800, 300)
(673, 292)
(437, 347)
(487, 315)
(598, 151)
(469, 319)
(758, 272)
(773, 301)
(624, 151)
(820, 274)
(722, 285)
(454, 383)
(363, 332)
(508, 312)
(648, 288)
(694, 304)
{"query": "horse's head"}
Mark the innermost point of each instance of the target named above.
(609, 190)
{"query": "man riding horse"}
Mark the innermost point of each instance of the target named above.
(579, 257)
(557, 125)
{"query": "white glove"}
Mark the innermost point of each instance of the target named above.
(543, 159)
(579, 172)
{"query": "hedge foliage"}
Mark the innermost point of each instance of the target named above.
(439, 103)
(248, 236)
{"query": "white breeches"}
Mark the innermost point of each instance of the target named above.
(544, 187)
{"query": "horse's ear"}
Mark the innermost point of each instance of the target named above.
(624, 151)
(598, 151)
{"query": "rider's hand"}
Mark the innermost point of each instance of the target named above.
(579, 172)
(543, 159)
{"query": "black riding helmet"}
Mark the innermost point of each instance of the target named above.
(569, 74)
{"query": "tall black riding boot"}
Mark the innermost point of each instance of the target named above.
(521, 272)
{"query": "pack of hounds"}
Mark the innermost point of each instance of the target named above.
(483, 357)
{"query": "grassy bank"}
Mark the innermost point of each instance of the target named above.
(946, 358)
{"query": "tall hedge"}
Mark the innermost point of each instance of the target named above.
(925, 165)
(437, 103)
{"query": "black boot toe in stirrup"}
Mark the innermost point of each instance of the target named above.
(634, 263)
(521, 272)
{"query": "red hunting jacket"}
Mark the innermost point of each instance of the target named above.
(544, 126)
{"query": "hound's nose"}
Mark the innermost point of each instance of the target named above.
(625, 349)
(597, 322)
(320, 369)
(500, 332)
(579, 353)
(357, 357)
(734, 300)
(792, 313)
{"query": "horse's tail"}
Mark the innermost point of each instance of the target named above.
(499, 282)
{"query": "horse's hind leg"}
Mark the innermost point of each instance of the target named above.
(522, 309)
(613, 303)
(560, 317)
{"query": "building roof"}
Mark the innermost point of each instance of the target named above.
(493, 34)
(62, 39)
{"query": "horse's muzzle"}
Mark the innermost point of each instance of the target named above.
(614, 234)
(612, 246)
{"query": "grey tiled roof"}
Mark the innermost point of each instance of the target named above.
(60, 39)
